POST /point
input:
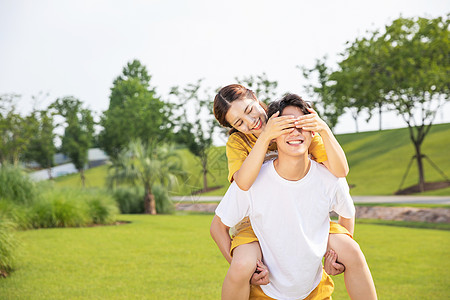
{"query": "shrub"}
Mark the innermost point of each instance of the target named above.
(102, 208)
(8, 244)
(72, 208)
(164, 204)
(16, 186)
(130, 200)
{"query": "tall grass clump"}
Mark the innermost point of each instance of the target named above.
(8, 244)
(131, 200)
(16, 186)
(72, 208)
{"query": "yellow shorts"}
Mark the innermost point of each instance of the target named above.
(244, 233)
(322, 292)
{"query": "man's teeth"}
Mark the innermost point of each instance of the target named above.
(257, 124)
(295, 142)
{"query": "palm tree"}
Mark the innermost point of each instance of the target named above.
(146, 165)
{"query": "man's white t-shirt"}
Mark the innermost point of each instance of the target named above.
(291, 221)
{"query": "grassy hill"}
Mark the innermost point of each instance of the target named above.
(377, 159)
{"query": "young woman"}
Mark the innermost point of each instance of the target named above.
(248, 146)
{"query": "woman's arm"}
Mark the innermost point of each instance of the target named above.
(250, 168)
(337, 162)
(220, 234)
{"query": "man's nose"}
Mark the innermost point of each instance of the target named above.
(297, 131)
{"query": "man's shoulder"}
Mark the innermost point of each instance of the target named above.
(322, 171)
(323, 175)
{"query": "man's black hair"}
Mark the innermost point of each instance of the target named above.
(288, 100)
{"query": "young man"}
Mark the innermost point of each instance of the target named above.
(288, 206)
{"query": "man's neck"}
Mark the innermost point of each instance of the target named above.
(291, 167)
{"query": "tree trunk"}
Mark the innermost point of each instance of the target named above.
(419, 157)
(355, 117)
(82, 177)
(149, 202)
(205, 181)
(49, 170)
(379, 114)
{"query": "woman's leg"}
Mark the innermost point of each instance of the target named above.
(357, 277)
(237, 281)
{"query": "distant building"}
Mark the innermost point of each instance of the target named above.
(63, 166)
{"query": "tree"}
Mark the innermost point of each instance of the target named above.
(41, 147)
(329, 106)
(78, 131)
(409, 71)
(264, 88)
(134, 111)
(194, 124)
(146, 164)
(15, 130)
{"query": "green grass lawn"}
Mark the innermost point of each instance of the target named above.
(377, 160)
(173, 257)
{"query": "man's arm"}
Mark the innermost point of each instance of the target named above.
(349, 224)
(221, 235)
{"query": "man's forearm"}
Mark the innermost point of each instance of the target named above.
(220, 234)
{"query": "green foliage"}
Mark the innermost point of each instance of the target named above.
(78, 132)
(164, 204)
(134, 111)
(129, 200)
(137, 261)
(195, 124)
(328, 105)
(406, 69)
(8, 245)
(146, 165)
(72, 208)
(16, 186)
(41, 147)
(265, 89)
(15, 130)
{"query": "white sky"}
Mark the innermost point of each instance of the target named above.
(77, 48)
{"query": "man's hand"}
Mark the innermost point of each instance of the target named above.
(331, 266)
(261, 275)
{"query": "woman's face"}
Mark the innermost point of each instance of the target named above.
(247, 116)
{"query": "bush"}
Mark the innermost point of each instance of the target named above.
(16, 186)
(131, 200)
(73, 208)
(163, 203)
(8, 244)
(102, 208)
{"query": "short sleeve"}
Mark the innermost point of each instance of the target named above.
(317, 149)
(342, 202)
(237, 151)
(234, 206)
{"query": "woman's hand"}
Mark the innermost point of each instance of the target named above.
(311, 122)
(277, 126)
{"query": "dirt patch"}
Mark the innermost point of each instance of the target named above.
(411, 214)
(428, 186)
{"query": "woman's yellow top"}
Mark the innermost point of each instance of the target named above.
(239, 146)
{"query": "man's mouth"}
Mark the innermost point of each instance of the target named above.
(296, 142)
(257, 125)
